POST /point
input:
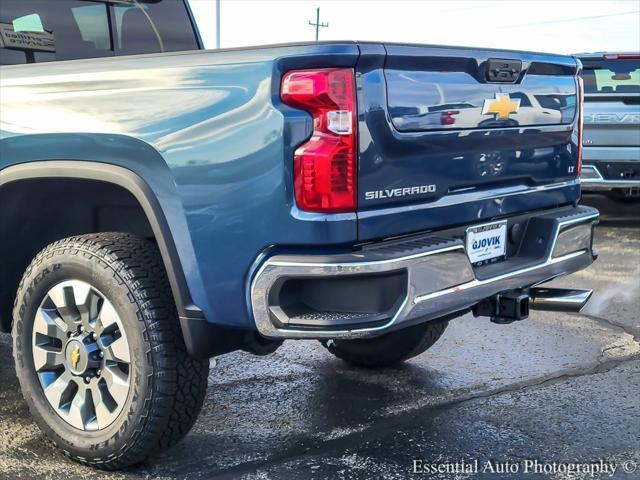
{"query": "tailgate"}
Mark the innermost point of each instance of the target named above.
(452, 136)
(612, 121)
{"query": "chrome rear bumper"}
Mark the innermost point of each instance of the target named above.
(430, 277)
(592, 179)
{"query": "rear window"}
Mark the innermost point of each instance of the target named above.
(611, 76)
(33, 31)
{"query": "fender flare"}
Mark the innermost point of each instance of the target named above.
(141, 191)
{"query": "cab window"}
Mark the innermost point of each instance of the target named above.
(34, 31)
(612, 76)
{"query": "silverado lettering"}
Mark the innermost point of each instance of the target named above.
(399, 192)
(612, 118)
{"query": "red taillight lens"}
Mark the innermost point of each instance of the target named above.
(580, 125)
(621, 56)
(446, 118)
(325, 167)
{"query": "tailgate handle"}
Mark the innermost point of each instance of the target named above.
(501, 70)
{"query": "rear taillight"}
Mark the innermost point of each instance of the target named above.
(621, 56)
(580, 125)
(325, 167)
(447, 117)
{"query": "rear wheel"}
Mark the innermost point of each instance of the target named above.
(99, 352)
(389, 349)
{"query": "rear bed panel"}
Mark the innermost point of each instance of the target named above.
(611, 121)
(418, 173)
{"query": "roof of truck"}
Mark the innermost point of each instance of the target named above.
(607, 54)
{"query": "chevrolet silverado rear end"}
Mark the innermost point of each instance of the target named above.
(157, 210)
(462, 168)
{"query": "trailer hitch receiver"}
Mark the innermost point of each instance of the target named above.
(504, 307)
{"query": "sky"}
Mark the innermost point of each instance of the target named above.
(559, 26)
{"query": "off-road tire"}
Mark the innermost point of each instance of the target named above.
(389, 349)
(167, 386)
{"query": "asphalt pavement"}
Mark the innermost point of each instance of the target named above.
(548, 394)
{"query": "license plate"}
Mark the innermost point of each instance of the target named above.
(487, 243)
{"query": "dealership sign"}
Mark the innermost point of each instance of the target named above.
(26, 41)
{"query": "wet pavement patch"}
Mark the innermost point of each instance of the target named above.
(555, 387)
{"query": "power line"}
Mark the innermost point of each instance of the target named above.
(318, 25)
(575, 19)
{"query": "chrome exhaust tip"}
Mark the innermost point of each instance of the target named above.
(559, 299)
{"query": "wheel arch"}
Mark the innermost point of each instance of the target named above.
(142, 193)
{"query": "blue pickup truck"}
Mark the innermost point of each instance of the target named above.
(161, 204)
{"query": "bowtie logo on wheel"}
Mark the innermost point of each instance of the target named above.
(75, 357)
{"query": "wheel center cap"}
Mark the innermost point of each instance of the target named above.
(77, 357)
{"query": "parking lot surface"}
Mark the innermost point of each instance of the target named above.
(555, 387)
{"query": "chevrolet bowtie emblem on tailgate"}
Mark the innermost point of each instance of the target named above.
(502, 106)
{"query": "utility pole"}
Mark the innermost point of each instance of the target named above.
(318, 25)
(217, 23)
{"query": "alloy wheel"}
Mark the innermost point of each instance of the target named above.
(81, 355)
